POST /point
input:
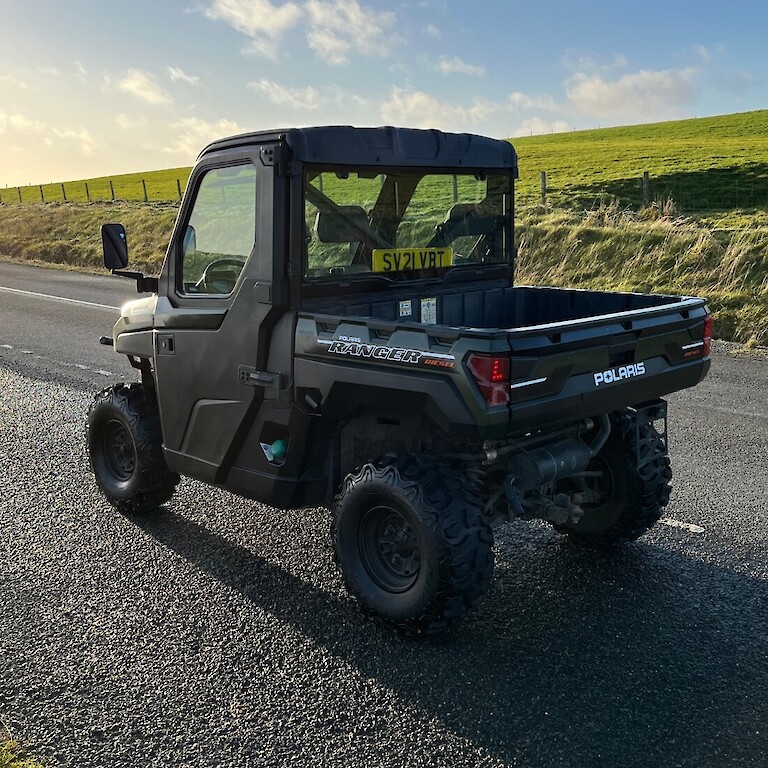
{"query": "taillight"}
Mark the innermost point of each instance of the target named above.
(707, 348)
(491, 372)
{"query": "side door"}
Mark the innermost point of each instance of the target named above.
(217, 295)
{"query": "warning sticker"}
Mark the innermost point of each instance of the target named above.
(429, 311)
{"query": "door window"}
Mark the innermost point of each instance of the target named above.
(221, 231)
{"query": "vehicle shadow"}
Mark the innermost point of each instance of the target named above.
(642, 657)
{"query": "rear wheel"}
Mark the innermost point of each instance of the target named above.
(125, 449)
(411, 543)
(627, 492)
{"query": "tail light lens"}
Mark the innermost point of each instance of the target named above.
(491, 372)
(707, 348)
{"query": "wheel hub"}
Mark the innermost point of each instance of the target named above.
(119, 450)
(389, 549)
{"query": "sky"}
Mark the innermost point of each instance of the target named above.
(101, 87)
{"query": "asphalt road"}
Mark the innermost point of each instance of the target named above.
(218, 633)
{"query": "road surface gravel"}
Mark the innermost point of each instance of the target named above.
(217, 632)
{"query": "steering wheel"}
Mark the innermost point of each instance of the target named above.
(218, 279)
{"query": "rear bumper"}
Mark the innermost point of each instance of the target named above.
(549, 403)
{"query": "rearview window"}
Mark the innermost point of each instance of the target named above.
(404, 224)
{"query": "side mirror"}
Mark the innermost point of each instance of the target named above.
(115, 246)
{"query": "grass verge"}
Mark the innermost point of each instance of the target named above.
(606, 247)
(13, 755)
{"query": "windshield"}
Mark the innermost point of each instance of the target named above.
(404, 224)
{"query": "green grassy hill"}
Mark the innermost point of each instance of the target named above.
(161, 186)
(704, 163)
(712, 163)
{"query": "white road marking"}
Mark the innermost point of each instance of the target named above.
(82, 367)
(685, 526)
(59, 298)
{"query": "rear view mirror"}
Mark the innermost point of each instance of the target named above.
(115, 246)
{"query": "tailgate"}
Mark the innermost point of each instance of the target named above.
(569, 370)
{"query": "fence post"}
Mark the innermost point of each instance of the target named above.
(64, 193)
(42, 197)
(111, 190)
(646, 188)
(178, 188)
(19, 191)
(144, 185)
(544, 188)
(87, 193)
(455, 188)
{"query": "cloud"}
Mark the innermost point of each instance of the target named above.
(24, 126)
(80, 71)
(256, 17)
(143, 87)
(298, 98)
(193, 133)
(260, 20)
(575, 62)
(523, 101)
(417, 109)
(642, 95)
(128, 123)
(79, 136)
(17, 121)
(537, 126)
(340, 27)
(456, 66)
(432, 31)
(309, 98)
(13, 81)
(52, 71)
(177, 74)
(334, 29)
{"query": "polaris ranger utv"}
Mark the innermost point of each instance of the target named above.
(336, 324)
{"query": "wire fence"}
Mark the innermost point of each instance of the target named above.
(712, 190)
(161, 189)
(689, 192)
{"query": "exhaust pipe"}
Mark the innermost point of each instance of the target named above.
(545, 466)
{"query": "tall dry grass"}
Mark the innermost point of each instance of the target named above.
(654, 251)
(70, 234)
(606, 247)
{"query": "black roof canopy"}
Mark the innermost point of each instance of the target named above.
(386, 146)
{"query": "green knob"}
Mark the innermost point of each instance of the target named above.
(279, 448)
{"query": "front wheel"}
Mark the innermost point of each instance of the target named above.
(627, 488)
(411, 543)
(125, 449)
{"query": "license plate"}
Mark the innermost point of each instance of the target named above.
(399, 259)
